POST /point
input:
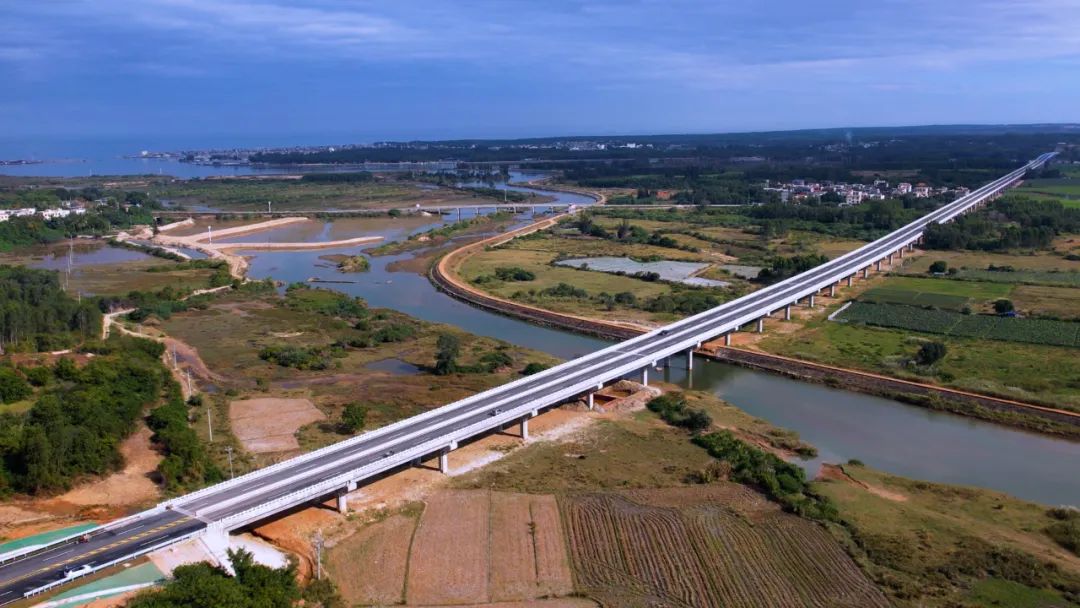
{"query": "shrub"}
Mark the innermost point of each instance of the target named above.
(930, 353)
(533, 368)
(939, 267)
(1003, 306)
(353, 417)
(673, 409)
(447, 349)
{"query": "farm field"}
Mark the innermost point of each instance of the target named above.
(1014, 370)
(1035, 331)
(714, 545)
(935, 292)
(505, 548)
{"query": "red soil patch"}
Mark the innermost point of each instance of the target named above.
(269, 424)
(132, 485)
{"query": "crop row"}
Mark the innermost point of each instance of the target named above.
(1034, 331)
(913, 298)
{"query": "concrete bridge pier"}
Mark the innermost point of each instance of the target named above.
(850, 280)
(911, 247)
(645, 376)
(727, 339)
(444, 459)
(761, 325)
(524, 428)
(832, 290)
(900, 253)
(787, 312)
(690, 359)
(343, 498)
(866, 272)
(890, 259)
(878, 268)
(810, 301)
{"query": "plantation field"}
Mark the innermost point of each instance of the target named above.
(1014, 370)
(1035, 331)
(935, 292)
(1064, 187)
(714, 545)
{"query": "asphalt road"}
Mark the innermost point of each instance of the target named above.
(258, 488)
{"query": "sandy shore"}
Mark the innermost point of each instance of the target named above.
(238, 264)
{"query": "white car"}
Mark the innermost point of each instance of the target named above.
(76, 572)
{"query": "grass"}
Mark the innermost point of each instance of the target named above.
(969, 290)
(999, 592)
(230, 333)
(1061, 302)
(1027, 372)
(933, 544)
(610, 454)
(979, 260)
(484, 263)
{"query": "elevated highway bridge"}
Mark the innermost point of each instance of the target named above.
(337, 469)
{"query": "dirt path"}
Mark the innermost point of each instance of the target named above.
(132, 485)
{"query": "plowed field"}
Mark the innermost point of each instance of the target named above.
(706, 546)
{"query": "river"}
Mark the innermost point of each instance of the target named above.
(888, 435)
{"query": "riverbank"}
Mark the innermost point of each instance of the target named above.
(1027, 416)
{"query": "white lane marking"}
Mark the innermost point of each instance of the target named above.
(65, 552)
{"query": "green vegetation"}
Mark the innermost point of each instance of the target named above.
(934, 293)
(304, 298)
(35, 314)
(81, 415)
(673, 409)
(533, 368)
(202, 585)
(506, 273)
(779, 480)
(448, 348)
(1017, 221)
(354, 417)
(298, 357)
(1013, 370)
(1034, 331)
(14, 387)
(930, 353)
(783, 267)
(937, 545)
(355, 263)
(1066, 529)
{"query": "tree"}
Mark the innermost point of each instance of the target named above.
(930, 353)
(939, 267)
(448, 347)
(1003, 306)
(354, 417)
(13, 386)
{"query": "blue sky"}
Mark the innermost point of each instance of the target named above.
(351, 70)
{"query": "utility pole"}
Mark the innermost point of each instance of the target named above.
(209, 235)
(232, 474)
(268, 208)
